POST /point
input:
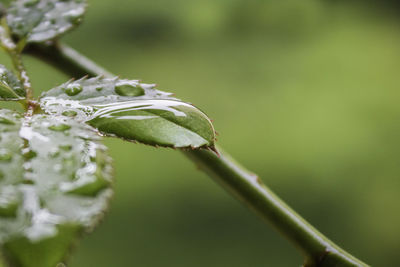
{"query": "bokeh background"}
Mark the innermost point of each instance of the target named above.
(304, 93)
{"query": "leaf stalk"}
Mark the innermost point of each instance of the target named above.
(242, 184)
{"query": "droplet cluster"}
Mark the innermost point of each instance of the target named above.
(65, 176)
(41, 20)
(131, 110)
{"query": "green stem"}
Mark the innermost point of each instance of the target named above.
(14, 51)
(244, 185)
(22, 74)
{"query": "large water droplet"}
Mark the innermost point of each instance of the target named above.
(54, 152)
(30, 3)
(68, 163)
(28, 182)
(5, 155)
(129, 90)
(74, 19)
(73, 89)
(60, 127)
(70, 113)
(9, 202)
(29, 154)
(8, 209)
(86, 186)
(66, 147)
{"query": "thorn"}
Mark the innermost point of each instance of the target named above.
(214, 149)
(83, 78)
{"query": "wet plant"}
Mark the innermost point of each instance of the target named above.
(55, 174)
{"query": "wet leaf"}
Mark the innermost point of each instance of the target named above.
(10, 87)
(54, 184)
(42, 20)
(131, 110)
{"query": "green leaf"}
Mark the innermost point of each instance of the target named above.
(131, 110)
(54, 184)
(10, 87)
(42, 20)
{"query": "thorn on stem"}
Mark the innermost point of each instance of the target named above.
(214, 149)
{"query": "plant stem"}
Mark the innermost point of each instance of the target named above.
(21, 73)
(30, 104)
(14, 51)
(244, 185)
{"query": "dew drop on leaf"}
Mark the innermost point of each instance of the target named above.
(75, 19)
(54, 153)
(29, 154)
(70, 113)
(8, 209)
(66, 147)
(9, 202)
(73, 90)
(60, 127)
(129, 90)
(5, 155)
(28, 182)
(30, 3)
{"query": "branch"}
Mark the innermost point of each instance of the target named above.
(245, 186)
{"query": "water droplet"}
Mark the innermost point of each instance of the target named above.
(74, 19)
(9, 202)
(73, 89)
(5, 155)
(9, 209)
(30, 3)
(66, 147)
(29, 154)
(86, 185)
(70, 113)
(68, 163)
(60, 127)
(129, 90)
(57, 167)
(28, 167)
(6, 121)
(54, 153)
(28, 182)
(98, 89)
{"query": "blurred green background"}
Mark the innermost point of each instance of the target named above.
(304, 93)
